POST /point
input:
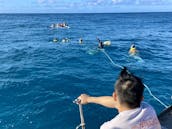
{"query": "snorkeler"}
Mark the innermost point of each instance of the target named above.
(65, 40)
(80, 40)
(60, 25)
(64, 24)
(132, 50)
(101, 45)
(55, 40)
(53, 25)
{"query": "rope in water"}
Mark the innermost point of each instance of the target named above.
(150, 92)
(103, 50)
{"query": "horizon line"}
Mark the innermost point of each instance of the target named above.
(85, 12)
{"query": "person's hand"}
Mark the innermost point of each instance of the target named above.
(83, 98)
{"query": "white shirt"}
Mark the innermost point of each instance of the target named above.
(143, 117)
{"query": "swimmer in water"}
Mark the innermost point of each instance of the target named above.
(55, 40)
(80, 40)
(133, 50)
(62, 25)
(101, 45)
(53, 25)
(65, 40)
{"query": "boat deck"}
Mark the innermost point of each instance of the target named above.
(165, 118)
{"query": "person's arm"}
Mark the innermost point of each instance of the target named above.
(106, 101)
(98, 40)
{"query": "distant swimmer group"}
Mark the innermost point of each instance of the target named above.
(64, 40)
(59, 25)
(133, 51)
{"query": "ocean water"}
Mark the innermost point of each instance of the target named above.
(39, 79)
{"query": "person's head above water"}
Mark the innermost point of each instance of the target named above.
(80, 40)
(100, 45)
(129, 89)
(133, 46)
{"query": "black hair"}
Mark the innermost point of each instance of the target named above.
(133, 45)
(129, 89)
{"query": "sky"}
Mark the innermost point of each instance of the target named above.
(84, 6)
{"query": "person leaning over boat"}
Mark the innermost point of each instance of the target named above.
(127, 99)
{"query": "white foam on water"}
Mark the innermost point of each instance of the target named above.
(92, 51)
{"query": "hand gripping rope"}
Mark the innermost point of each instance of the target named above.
(77, 101)
(82, 124)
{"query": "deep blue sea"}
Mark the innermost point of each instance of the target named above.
(39, 79)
